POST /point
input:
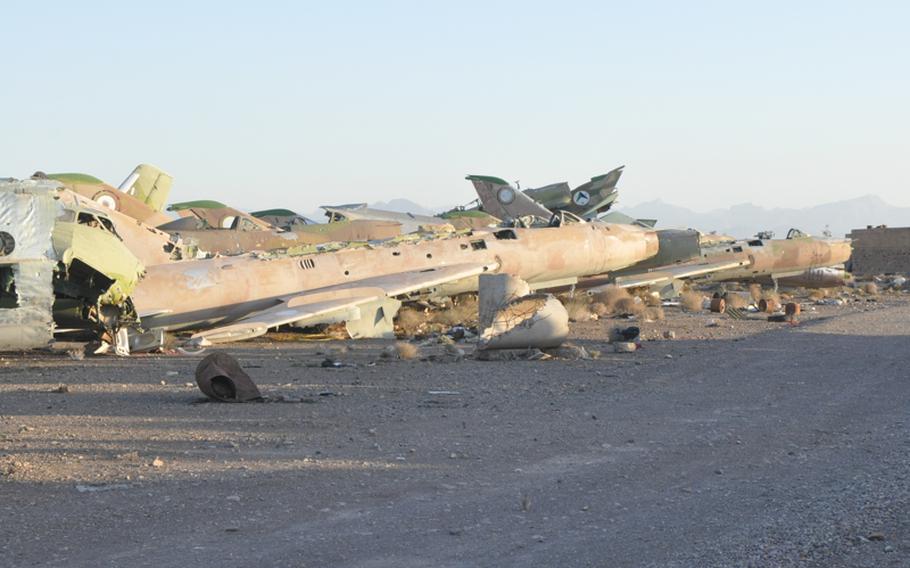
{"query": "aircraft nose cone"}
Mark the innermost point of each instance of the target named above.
(841, 251)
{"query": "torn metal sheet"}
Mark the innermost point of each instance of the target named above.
(496, 291)
(511, 318)
(56, 250)
(538, 320)
(28, 212)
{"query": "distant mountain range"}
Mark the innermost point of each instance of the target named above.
(839, 217)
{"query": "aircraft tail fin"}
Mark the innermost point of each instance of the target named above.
(605, 181)
(501, 200)
(149, 184)
(595, 197)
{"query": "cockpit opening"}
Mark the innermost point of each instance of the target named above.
(9, 298)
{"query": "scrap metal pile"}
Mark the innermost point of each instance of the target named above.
(79, 256)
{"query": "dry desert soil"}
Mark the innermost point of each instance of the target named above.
(745, 443)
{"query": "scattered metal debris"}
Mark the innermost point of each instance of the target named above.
(221, 378)
(718, 305)
(512, 320)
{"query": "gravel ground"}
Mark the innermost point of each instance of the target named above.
(745, 443)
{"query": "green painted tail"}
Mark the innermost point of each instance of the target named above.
(150, 185)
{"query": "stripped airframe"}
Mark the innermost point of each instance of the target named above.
(687, 254)
(207, 227)
(230, 298)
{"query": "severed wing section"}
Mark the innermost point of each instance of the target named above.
(666, 275)
(366, 305)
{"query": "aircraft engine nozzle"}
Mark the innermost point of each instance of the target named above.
(220, 377)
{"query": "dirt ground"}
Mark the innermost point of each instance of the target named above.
(736, 443)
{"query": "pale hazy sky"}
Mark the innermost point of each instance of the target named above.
(296, 104)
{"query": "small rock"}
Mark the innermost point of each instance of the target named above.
(158, 462)
(570, 352)
(233, 497)
(668, 356)
(670, 334)
(624, 347)
(76, 354)
(876, 536)
(712, 323)
(525, 503)
(454, 351)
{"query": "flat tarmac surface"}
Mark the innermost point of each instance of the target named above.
(741, 444)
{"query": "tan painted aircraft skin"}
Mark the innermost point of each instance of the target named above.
(202, 293)
(149, 245)
(234, 242)
(777, 258)
(258, 235)
(105, 195)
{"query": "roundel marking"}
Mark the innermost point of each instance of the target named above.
(581, 198)
(106, 200)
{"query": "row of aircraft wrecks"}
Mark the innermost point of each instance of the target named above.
(80, 256)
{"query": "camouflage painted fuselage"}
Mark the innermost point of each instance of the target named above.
(202, 293)
(234, 242)
(778, 258)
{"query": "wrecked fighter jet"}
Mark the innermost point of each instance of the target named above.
(142, 195)
(93, 268)
(588, 201)
(687, 254)
(234, 298)
(798, 256)
(61, 255)
(210, 227)
(410, 223)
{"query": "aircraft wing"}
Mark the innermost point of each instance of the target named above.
(667, 274)
(340, 303)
